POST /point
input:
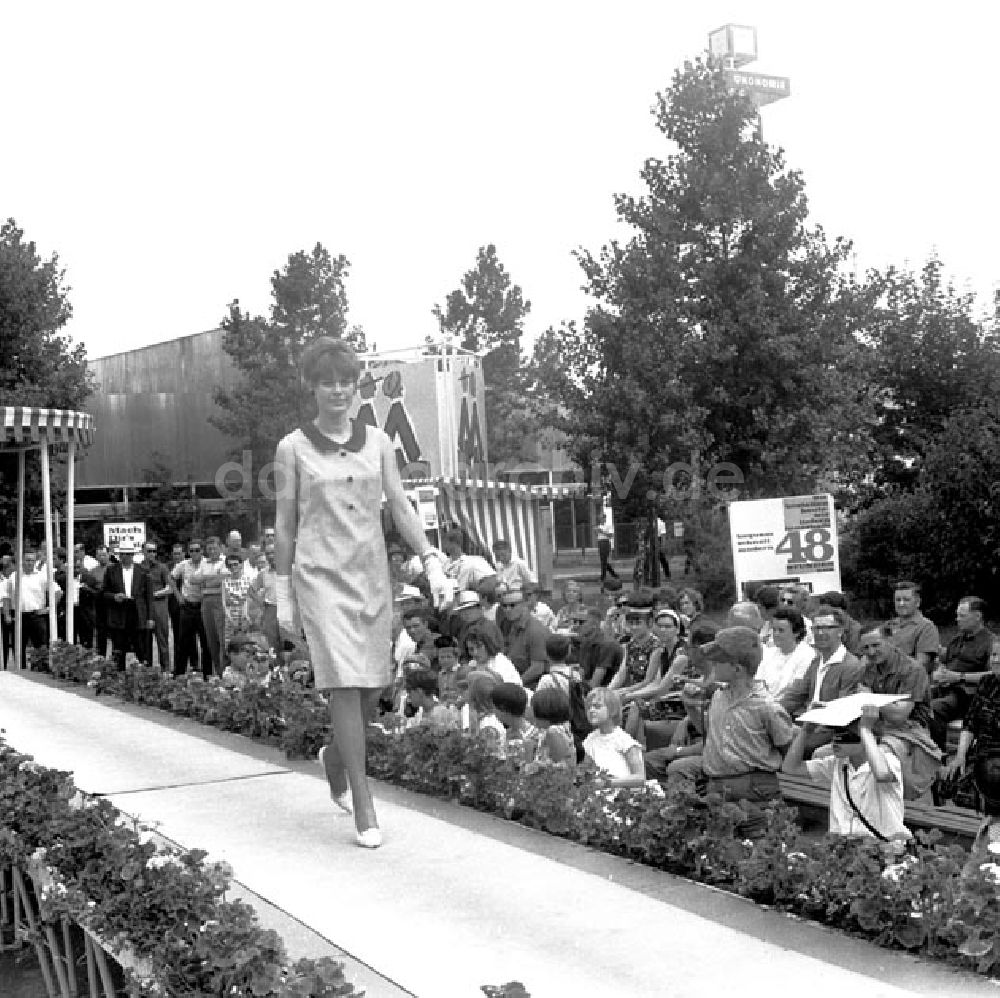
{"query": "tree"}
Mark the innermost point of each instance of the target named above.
(933, 358)
(486, 314)
(945, 532)
(310, 300)
(39, 365)
(725, 329)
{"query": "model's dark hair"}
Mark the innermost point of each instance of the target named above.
(327, 359)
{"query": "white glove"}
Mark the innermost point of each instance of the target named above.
(286, 602)
(436, 579)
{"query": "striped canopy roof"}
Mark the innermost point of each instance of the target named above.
(490, 511)
(564, 490)
(23, 426)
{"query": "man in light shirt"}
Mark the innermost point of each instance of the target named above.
(511, 570)
(263, 590)
(34, 600)
(191, 630)
(87, 562)
(250, 564)
(910, 631)
(468, 570)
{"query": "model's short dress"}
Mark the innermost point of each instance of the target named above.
(340, 575)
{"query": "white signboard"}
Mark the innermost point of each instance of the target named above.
(792, 539)
(118, 533)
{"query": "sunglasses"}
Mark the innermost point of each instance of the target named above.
(194, 550)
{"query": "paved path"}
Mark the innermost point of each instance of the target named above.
(454, 899)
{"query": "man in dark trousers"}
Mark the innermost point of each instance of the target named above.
(158, 588)
(125, 604)
(100, 608)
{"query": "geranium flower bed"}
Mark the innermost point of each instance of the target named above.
(925, 897)
(162, 913)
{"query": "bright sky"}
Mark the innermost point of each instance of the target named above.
(175, 154)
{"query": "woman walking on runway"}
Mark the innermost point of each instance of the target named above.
(332, 565)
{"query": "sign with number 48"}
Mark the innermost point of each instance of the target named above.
(777, 541)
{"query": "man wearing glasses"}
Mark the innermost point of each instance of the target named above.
(158, 588)
(192, 630)
(833, 673)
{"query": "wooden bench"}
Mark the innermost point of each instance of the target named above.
(958, 821)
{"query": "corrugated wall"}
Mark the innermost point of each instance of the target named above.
(158, 398)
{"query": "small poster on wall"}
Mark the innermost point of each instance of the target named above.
(132, 532)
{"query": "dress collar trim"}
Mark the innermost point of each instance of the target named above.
(354, 443)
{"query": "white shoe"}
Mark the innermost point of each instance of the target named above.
(370, 838)
(343, 801)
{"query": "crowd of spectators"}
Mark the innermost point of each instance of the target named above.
(179, 608)
(647, 688)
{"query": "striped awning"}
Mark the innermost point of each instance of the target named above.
(565, 490)
(491, 511)
(23, 426)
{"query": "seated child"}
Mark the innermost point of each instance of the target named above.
(298, 669)
(478, 716)
(510, 701)
(550, 713)
(559, 673)
(398, 693)
(865, 779)
(423, 693)
(448, 667)
(681, 758)
(746, 732)
(243, 667)
(617, 754)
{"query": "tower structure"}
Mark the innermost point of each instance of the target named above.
(735, 45)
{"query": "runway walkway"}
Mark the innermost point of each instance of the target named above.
(454, 899)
